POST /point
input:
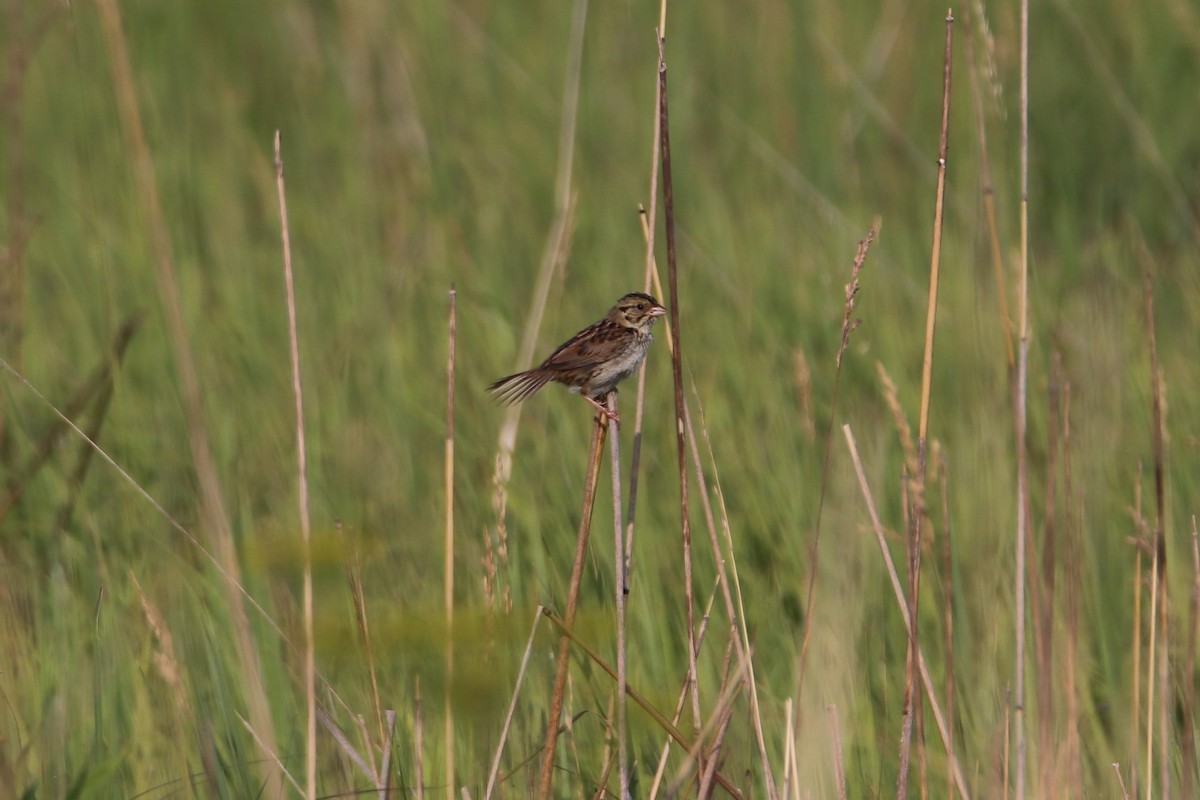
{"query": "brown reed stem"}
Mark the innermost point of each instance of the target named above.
(935, 254)
(1020, 422)
(659, 718)
(677, 379)
(917, 482)
(546, 776)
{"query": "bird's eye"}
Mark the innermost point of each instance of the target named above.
(641, 306)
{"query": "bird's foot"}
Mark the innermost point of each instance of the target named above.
(605, 413)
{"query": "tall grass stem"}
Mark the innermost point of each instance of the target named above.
(448, 567)
(310, 700)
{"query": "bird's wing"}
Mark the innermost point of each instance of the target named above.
(588, 348)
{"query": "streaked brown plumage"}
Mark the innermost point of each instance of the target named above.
(595, 360)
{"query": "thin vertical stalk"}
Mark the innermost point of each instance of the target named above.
(1152, 653)
(448, 567)
(546, 777)
(512, 706)
(1022, 382)
(614, 457)
(1136, 638)
(418, 741)
(935, 253)
(1157, 414)
(677, 378)
(917, 484)
(310, 751)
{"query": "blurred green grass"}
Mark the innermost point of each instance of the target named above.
(420, 147)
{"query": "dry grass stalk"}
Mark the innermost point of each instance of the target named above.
(897, 589)
(849, 323)
(657, 716)
(1020, 400)
(935, 254)
(364, 763)
(546, 776)
(418, 741)
(512, 705)
(915, 489)
(310, 700)
(1152, 654)
(271, 755)
(385, 783)
(682, 698)
(737, 616)
(677, 382)
(619, 591)
(1120, 783)
(717, 720)
(839, 766)
(448, 545)
(1158, 413)
(790, 777)
(609, 755)
(714, 750)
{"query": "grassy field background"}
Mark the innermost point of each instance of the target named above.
(421, 144)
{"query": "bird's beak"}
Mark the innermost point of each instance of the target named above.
(657, 311)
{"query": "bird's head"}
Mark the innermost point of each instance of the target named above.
(637, 310)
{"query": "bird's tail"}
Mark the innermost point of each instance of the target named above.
(515, 388)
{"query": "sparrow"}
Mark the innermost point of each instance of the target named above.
(595, 360)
